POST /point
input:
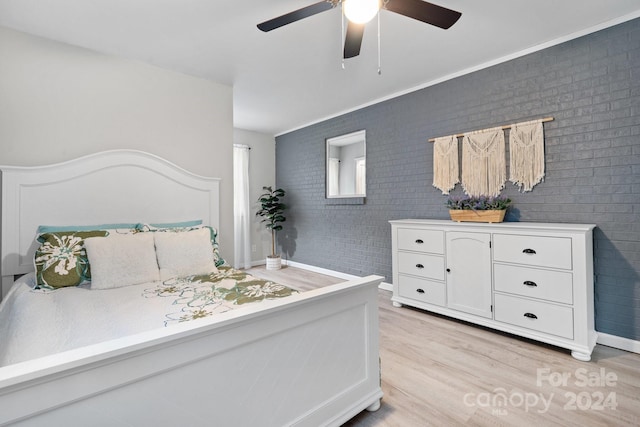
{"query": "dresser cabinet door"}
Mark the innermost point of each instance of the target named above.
(469, 272)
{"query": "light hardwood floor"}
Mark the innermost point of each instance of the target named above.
(443, 372)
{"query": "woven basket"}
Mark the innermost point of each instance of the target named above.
(477, 216)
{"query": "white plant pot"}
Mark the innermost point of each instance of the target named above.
(274, 263)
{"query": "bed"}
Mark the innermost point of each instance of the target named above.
(308, 358)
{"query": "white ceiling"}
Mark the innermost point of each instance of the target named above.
(292, 76)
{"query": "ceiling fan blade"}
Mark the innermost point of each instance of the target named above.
(294, 16)
(425, 12)
(353, 40)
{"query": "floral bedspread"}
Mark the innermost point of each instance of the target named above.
(36, 323)
(196, 297)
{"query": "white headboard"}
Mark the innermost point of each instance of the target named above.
(119, 186)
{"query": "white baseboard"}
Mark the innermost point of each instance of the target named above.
(619, 342)
(383, 285)
(386, 286)
(254, 263)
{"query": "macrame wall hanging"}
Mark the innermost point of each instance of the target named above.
(526, 154)
(483, 159)
(446, 172)
(484, 168)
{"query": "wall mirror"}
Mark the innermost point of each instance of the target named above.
(347, 166)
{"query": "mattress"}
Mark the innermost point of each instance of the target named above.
(36, 323)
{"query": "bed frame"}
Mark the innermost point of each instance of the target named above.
(308, 360)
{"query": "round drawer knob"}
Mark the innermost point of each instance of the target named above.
(419, 241)
(419, 266)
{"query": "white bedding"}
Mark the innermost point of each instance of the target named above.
(34, 323)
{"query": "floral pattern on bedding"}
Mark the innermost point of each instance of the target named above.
(197, 297)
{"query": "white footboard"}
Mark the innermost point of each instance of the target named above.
(308, 360)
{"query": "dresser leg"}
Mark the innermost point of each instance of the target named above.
(396, 304)
(374, 406)
(584, 357)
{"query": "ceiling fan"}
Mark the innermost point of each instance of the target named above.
(359, 12)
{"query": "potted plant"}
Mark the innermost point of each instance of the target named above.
(478, 209)
(271, 210)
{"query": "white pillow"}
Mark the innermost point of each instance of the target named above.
(184, 253)
(121, 260)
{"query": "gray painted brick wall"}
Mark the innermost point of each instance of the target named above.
(591, 86)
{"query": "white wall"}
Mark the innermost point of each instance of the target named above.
(59, 102)
(262, 173)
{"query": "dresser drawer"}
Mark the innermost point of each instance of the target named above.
(533, 250)
(414, 239)
(535, 283)
(427, 266)
(422, 290)
(535, 315)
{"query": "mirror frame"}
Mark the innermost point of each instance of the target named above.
(349, 198)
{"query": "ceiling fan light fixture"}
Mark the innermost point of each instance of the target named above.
(361, 11)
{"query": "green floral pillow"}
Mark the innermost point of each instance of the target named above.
(61, 259)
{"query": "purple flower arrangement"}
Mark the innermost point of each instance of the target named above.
(481, 203)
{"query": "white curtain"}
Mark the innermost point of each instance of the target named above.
(241, 211)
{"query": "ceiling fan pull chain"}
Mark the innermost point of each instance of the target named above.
(342, 38)
(379, 62)
(383, 6)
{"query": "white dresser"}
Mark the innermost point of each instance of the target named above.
(530, 279)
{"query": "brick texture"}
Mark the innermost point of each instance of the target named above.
(590, 85)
